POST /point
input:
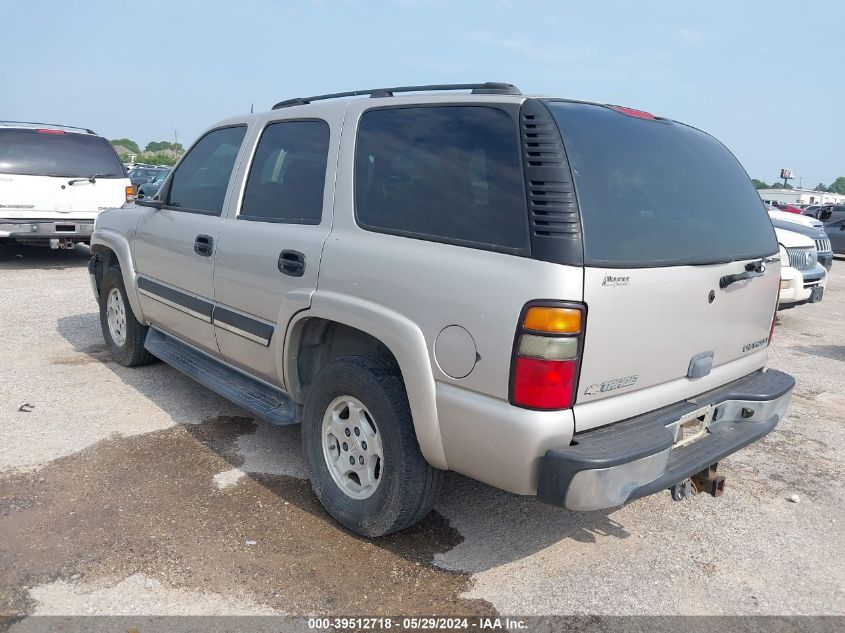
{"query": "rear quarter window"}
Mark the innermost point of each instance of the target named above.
(446, 173)
(658, 193)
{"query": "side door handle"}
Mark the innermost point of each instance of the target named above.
(292, 263)
(204, 245)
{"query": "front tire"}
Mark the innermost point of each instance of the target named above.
(123, 334)
(358, 439)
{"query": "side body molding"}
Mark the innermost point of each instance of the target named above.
(120, 246)
(401, 336)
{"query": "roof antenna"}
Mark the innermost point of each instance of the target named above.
(251, 105)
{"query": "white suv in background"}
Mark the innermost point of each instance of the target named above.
(802, 277)
(54, 181)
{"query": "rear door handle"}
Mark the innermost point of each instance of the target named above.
(292, 263)
(204, 245)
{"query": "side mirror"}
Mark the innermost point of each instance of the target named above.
(152, 203)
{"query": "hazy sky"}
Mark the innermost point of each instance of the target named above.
(764, 76)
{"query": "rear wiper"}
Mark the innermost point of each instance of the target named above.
(91, 179)
(752, 269)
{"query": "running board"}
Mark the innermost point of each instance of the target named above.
(264, 401)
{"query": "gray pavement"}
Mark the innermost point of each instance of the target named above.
(137, 491)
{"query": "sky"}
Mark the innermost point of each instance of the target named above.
(766, 77)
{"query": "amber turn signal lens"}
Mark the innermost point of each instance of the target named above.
(130, 193)
(557, 320)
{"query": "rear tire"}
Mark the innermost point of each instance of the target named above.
(123, 334)
(391, 486)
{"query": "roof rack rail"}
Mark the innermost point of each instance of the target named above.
(489, 87)
(29, 124)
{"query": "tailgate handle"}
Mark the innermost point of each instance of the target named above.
(754, 269)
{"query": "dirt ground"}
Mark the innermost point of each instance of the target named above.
(136, 491)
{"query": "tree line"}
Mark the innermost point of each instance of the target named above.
(154, 153)
(837, 186)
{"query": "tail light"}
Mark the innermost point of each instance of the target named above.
(130, 193)
(546, 355)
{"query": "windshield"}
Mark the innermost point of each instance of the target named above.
(658, 193)
(56, 153)
(161, 176)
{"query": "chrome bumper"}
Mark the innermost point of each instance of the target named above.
(633, 458)
(47, 229)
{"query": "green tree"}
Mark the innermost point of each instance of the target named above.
(127, 143)
(124, 158)
(159, 159)
(759, 184)
(837, 186)
(160, 146)
(156, 146)
(820, 187)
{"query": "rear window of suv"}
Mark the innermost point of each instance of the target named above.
(442, 173)
(56, 153)
(658, 193)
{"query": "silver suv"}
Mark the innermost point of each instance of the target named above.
(541, 294)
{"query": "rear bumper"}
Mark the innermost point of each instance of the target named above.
(608, 466)
(796, 286)
(47, 229)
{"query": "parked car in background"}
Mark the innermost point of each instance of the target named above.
(789, 208)
(140, 175)
(374, 269)
(831, 213)
(149, 189)
(808, 226)
(802, 278)
(836, 234)
(54, 181)
(811, 209)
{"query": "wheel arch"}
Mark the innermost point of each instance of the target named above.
(115, 248)
(367, 326)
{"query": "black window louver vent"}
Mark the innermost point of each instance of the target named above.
(552, 205)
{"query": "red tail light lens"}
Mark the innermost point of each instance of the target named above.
(543, 384)
(547, 351)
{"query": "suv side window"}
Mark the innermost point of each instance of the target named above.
(444, 173)
(199, 183)
(288, 174)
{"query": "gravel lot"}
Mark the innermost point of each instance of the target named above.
(139, 492)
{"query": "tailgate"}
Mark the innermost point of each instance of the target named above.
(45, 197)
(645, 327)
(668, 215)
